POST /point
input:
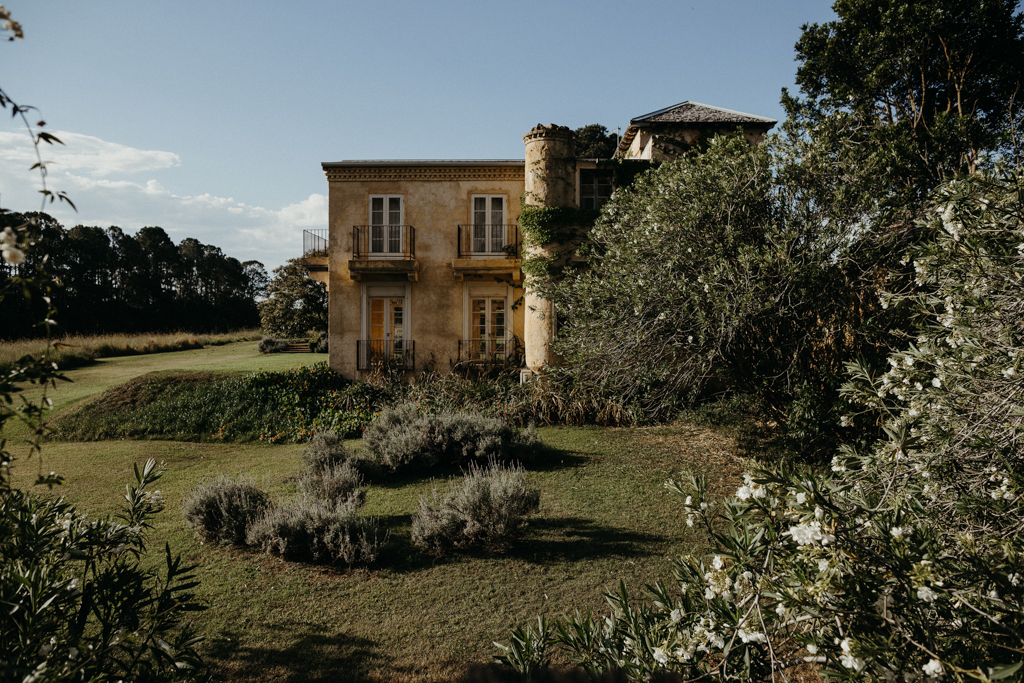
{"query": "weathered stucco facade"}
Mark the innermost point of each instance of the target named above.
(423, 258)
(402, 296)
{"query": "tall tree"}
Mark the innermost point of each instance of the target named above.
(295, 304)
(932, 84)
(595, 142)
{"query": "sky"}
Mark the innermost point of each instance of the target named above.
(211, 118)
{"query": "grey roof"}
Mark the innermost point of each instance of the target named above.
(695, 112)
(422, 162)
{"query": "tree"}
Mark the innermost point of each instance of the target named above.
(934, 85)
(717, 268)
(295, 303)
(595, 142)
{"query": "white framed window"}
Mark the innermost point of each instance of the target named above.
(387, 225)
(488, 224)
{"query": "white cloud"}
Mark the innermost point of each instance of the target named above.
(85, 154)
(94, 177)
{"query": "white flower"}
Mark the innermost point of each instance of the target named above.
(812, 648)
(751, 637)
(689, 501)
(927, 594)
(660, 655)
(718, 562)
(898, 532)
(13, 255)
(780, 609)
(933, 669)
(822, 565)
(936, 382)
(1010, 372)
(677, 615)
(801, 498)
(808, 533)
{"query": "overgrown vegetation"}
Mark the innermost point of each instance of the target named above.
(295, 304)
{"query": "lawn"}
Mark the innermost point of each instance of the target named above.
(604, 516)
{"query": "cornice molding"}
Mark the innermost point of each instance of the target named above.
(392, 173)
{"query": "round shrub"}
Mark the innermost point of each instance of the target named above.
(337, 485)
(222, 510)
(324, 450)
(406, 437)
(315, 531)
(271, 345)
(486, 507)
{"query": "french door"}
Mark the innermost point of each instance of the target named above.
(488, 328)
(386, 219)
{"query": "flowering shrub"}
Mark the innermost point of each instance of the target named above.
(486, 506)
(903, 561)
(312, 530)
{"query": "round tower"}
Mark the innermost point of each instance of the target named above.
(550, 182)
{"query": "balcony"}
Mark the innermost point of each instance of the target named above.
(385, 355)
(488, 250)
(491, 352)
(383, 250)
(314, 254)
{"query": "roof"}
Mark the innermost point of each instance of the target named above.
(695, 112)
(362, 163)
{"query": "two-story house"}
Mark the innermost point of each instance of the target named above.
(422, 258)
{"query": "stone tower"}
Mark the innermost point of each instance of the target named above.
(550, 182)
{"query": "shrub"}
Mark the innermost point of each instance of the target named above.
(223, 509)
(485, 507)
(406, 437)
(904, 561)
(337, 485)
(271, 345)
(315, 531)
(324, 450)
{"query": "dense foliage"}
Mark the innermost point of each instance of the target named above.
(111, 281)
(933, 86)
(295, 305)
(593, 141)
(904, 562)
(719, 271)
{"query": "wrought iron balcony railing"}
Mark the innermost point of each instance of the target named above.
(491, 352)
(492, 240)
(314, 242)
(385, 354)
(383, 241)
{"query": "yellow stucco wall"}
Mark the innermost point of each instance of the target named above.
(436, 200)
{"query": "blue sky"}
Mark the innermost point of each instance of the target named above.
(211, 118)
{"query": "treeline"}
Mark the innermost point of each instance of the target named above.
(110, 281)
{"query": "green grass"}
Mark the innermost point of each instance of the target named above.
(604, 516)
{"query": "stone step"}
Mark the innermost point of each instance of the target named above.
(297, 347)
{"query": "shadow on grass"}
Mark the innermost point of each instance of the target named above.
(309, 656)
(547, 541)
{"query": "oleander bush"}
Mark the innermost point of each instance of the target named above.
(222, 509)
(312, 530)
(408, 437)
(486, 506)
(905, 560)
